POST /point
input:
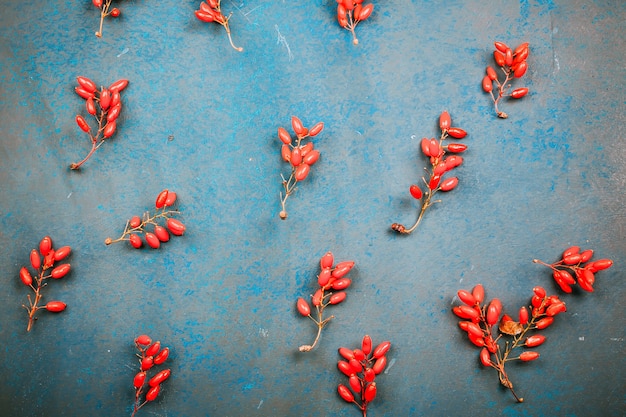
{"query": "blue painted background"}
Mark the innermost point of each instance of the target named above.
(223, 296)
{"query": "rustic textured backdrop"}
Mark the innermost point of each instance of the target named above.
(200, 118)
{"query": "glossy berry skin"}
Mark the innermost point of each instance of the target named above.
(135, 241)
(139, 379)
(345, 393)
(162, 356)
(153, 393)
(160, 200)
(25, 276)
(60, 271)
(159, 378)
(303, 307)
(176, 227)
(153, 349)
(529, 356)
(143, 340)
(62, 253)
(152, 240)
(56, 306)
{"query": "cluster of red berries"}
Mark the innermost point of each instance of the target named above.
(480, 320)
(331, 278)
(441, 164)
(150, 354)
(105, 106)
(580, 266)
(350, 13)
(137, 225)
(299, 155)
(361, 367)
(211, 12)
(43, 262)
(105, 10)
(513, 65)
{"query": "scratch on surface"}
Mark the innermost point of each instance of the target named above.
(260, 404)
(281, 40)
(69, 195)
(124, 51)
(555, 59)
(240, 11)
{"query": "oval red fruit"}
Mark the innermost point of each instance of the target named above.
(425, 144)
(303, 307)
(485, 357)
(327, 260)
(600, 265)
(366, 344)
(379, 365)
(520, 70)
(466, 297)
(345, 368)
(147, 363)
(171, 199)
(161, 233)
(534, 340)
(444, 121)
(135, 241)
(152, 240)
(25, 276)
(449, 184)
(479, 293)
(457, 132)
(415, 191)
(114, 113)
(82, 123)
(341, 284)
(316, 300)
(366, 11)
(55, 306)
(501, 46)
(523, 316)
(499, 57)
(83, 93)
(487, 84)
(297, 126)
(355, 383)
(316, 129)
(434, 182)
(118, 85)
(434, 148)
(544, 322)
(491, 73)
(456, 147)
(35, 259)
(153, 393)
(311, 157)
(87, 84)
(370, 392)
(539, 292)
(529, 356)
(161, 198)
(284, 136)
(492, 315)
(345, 393)
(60, 271)
(135, 221)
(139, 379)
(176, 227)
(45, 245)
(115, 12)
(301, 172)
(519, 92)
(153, 349)
(342, 269)
(105, 99)
(159, 378)
(324, 277)
(204, 16)
(143, 340)
(337, 297)
(62, 253)
(162, 356)
(382, 349)
(109, 129)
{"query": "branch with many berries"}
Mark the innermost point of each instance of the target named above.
(441, 164)
(150, 355)
(330, 278)
(350, 13)
(211, 11)
(43, 262)
(105, 10)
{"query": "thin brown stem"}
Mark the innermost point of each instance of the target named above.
(147, 219)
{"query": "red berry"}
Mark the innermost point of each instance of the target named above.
(35, 259)
(529, 356)
(147, 363)
(342, 269)
(379, 365)
(296, 157)
(55, 306)
(115, 12)
(162, 356)
(327, 260)
(466, 297)
(45, 245)
(176, 227)
(487, 84)
(153, 393)
(456, 147)
(83, 93)
(449, 184)
(337, 297)
(143, 340)
(370, 392)
(479, 293)
(135, 241)
(109, 129)
(523, 316)
(365, 12)
(534, 340)
(345, 368)
(25, 276)
(341, 284)
(152, 240)
(519, 92)
(520, 70)
(425, 144)
(105, 99)
(301, 172)
(114, 113)
(434, 182)
(303, 307)
(316, 300)
(491, 73)
(572, 250)
(381, 349)
(139, 379)
(434, 148)
(134, 222)
(297, 126)
(161, 233)
(415, 191)
(284, 136)
(118, 86)
(366, 344)
(171, 199)
(444, 121)
(485, 357)
(311, 157)
(153, 349)
(457, 133)
(346, 353)
(159, 378)
(161, 199)
(86, 83)
(501, 46)
(60, 271)
(345, 393)
(355, 383)
(62, 253)
(204, 16)
(544, 322)
(317, 128)
(539, 292)
(599, 265)
(586, 255)
(324, 277)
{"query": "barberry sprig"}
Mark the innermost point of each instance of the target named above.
(441, 164)
(483, 321)
(300, 156)
(330, 278)
(151, 225)
(211, 12)
(105, 10)
(361, 366)
(350, 13)
(43, 262)
(105, 106)
(513, 64)
(150, 354)
(574, 263)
